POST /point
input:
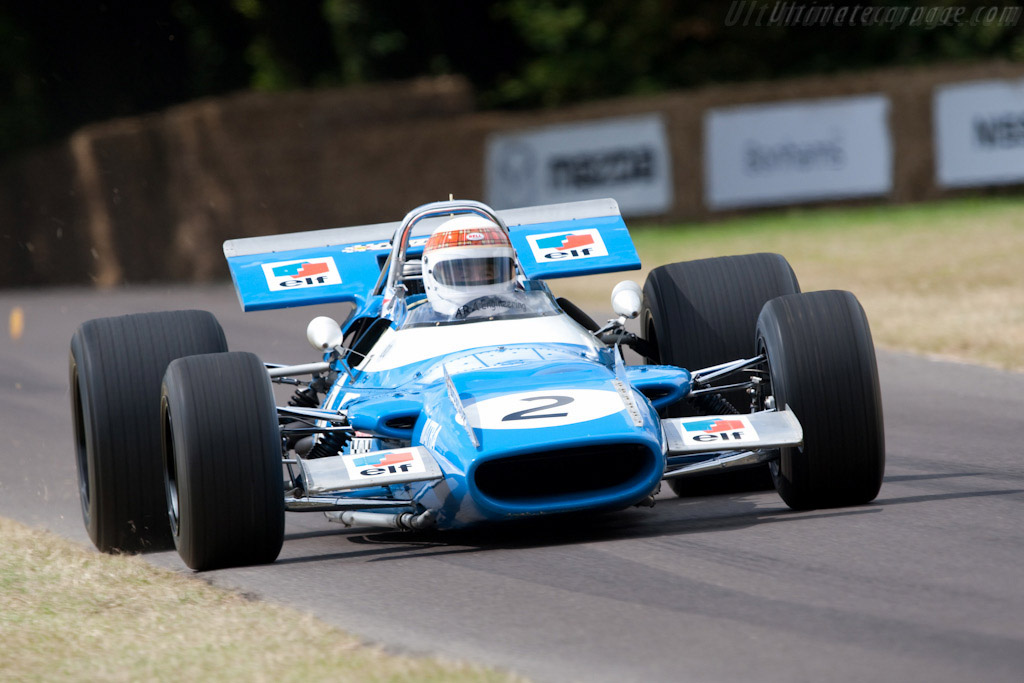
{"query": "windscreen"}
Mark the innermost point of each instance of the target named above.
(516, 304)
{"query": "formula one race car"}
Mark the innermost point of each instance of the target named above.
(459, 391)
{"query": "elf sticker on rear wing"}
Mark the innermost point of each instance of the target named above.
(566, 240)
(344, 264)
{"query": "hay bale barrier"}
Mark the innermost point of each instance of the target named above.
(152, 198)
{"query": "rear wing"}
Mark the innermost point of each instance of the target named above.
(344, 264)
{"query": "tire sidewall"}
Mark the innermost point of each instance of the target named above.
(83, 433)
(772, 343)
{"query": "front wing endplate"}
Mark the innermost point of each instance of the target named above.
(363, 470)
(758, 431)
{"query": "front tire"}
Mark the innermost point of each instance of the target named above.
(222, 461)
(115, 368)
(822, 366)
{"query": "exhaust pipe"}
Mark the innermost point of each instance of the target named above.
(407, 521)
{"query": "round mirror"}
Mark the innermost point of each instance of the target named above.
(324, 333)
(627, 298)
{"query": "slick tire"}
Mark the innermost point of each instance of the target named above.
(115, 369)
(222, 461)
(702, 313)
(822, 365)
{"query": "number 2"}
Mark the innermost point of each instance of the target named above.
(529, 413)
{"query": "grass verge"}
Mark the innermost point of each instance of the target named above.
(945, 278)
(68, 613)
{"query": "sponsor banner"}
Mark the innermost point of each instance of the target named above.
(979, 133)
(626, 158)
(311, 272)
(797, 151)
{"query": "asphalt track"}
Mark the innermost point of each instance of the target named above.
(925, 584)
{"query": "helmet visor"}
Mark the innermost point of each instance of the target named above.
(470, 272)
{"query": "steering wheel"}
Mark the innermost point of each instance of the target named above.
(489, 301)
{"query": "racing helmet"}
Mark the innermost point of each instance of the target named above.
(465, 258)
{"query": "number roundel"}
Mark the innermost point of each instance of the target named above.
(543, 408)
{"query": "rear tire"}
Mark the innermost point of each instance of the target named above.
(822, 364)
(115, 369)
(222, 461)
(702, 313)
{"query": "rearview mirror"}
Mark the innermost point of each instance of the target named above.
(627, 298)
(324, 333)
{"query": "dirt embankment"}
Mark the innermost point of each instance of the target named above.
(152, 198)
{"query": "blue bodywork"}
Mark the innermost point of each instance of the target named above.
(557, 423)
(459, 498)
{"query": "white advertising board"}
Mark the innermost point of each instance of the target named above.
(797, 151)
(979, 133)
(625, 158)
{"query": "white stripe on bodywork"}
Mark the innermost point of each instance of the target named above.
(397, 348)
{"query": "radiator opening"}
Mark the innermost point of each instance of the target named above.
(563, 472)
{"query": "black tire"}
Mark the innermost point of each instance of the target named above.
(702, 313)
(222, 461)
(115, 369)
(822, 365)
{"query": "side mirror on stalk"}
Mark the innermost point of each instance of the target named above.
(627, 297)
(324, 333)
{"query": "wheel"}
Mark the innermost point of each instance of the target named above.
(702, 313)
(222, 461)
(115, 369)
(822, 365)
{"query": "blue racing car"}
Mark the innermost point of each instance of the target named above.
(459, 391)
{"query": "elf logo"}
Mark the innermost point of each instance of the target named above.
(732, 429)
(312, 272)
(301, 270)
(383, 463)
(575, 244)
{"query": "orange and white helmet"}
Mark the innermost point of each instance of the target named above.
(466, 257)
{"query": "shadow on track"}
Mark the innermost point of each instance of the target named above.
(672, 516)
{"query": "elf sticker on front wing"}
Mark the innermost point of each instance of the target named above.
(731, 430)
(572, 244)
(543, 408)
(311, 272)
(383, 464)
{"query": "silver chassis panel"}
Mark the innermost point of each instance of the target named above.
(774, 429)
(340, 504)
(330, 475)
(725, 461)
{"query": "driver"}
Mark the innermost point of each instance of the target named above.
(467, 258)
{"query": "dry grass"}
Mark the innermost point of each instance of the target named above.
(67, 613)
(944, 278)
